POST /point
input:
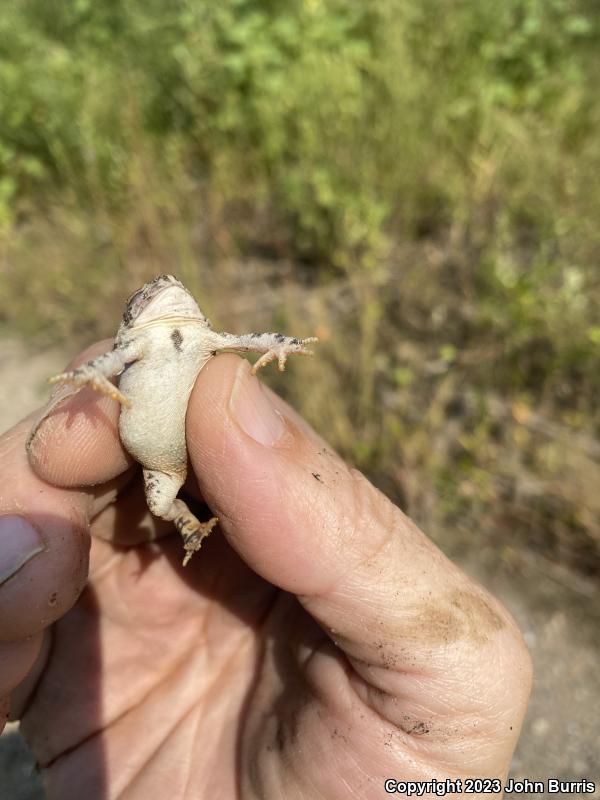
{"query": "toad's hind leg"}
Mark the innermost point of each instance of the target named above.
(161, 495)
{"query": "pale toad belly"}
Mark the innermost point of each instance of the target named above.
(152, 429)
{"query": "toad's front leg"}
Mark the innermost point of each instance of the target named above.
(96, 373)
(273, 346)
(161, 496)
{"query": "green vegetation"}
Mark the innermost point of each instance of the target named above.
(419, 179)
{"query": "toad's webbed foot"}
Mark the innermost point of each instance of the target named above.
(271, 346)
(84, 377)
(161, 495)
(282, 347)
(193, 532)
(96, 373)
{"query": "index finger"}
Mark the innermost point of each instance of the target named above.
(44, 541)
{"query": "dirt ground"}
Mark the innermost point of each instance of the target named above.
(557, 609)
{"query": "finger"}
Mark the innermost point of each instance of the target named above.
(44, 543)
(306, 522)
(77, 442)
(16, 659)
(24, 690)
(256, 462)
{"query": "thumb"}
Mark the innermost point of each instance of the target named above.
(311, 525)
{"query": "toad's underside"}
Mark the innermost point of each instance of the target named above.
(163, 342)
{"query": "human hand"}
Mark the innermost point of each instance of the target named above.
(320, 646)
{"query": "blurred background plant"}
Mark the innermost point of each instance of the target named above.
(415, 182)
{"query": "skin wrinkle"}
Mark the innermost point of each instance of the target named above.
(109, 526)
(119, 613)
(371, 674)
(453, 737)
(454, 615)
(471, 743)
(355, 520)
(115, 720)
(98, 574)
(438, 732)
(299, 771)
(234, 655)
(193, 733)
(385, 680)
(395, 528)
(348, 670)
(167, 677)
(373, 691)
(419, 747)
(363, 512)
(260, 780)
(150, 756)
(273, 715)
(107, 493)
(77, 513)
(124, 615)
(357, 790)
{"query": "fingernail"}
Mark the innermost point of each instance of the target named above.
(19, 543)
(252, 409)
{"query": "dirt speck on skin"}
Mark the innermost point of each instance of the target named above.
(387, 654)
(413, 727)
(480, 617)
(461, 614)
(336, 733)
(439, 625)
(53, 599)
